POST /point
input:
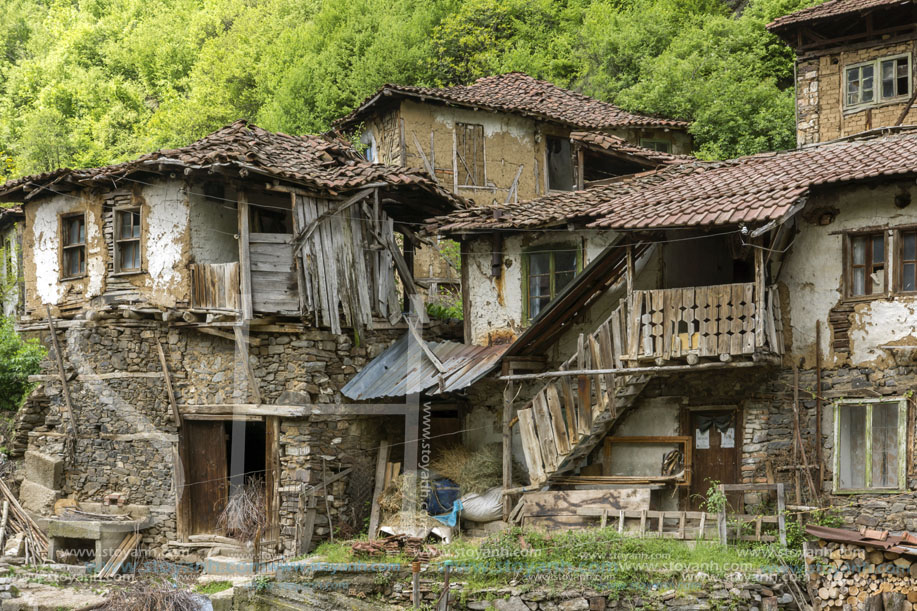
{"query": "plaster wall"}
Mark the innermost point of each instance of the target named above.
(813, 273)
(495, 310)
(214, 225)
(657, 416)
(166, 232)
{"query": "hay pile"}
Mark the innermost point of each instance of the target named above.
(391, 498)
(475, 471)
(148, 596)
(244, 518)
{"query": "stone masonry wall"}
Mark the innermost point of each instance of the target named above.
(127, 436)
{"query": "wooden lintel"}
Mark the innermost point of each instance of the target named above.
(248, 339)
(660, 370)
(229, 410)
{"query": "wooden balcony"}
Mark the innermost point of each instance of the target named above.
(215, 286)
(721, 321)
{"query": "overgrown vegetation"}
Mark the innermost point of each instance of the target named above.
(214, 587)
(19, 359)
(90, 82)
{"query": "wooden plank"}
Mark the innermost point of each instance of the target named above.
(168, 380)
(561, 438)
(244, 258)
(597, 363)
(618, 342)
(633, 349)
(560, 503)
(530, 446)
(507, 446)
(748, 328)
(584, 411)
(735, 323)
(375, 511)
(781, 511)
(207, 474)
(759, 296)
(545, 432)
(569, 402)
(3, 522)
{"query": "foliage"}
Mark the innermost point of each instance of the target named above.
(796, 530)
(18, 360)
(214, 587)
(95, 81)
(715, 500)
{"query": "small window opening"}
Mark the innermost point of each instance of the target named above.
(73, 235)
(867, 264)
(560, 164)
(127, 240)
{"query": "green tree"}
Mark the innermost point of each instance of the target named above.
(18, 360)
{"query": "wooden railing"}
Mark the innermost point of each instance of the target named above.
(215, 286)
(706, 321)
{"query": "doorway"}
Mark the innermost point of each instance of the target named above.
(220, 454)
(715, 435)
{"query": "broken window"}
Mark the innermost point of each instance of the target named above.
(662, 146)
(894, 75)
(866, 263)
(560, 164)
(870, 444)
(546, 273)
(73, 240)
(469, 154)
(127, 240)
(907, 253)
(270, 213)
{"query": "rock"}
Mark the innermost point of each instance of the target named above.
(15, 546)
(37, 498)
(574, 604)
(895, 601)
(43, 469)
(513, 603)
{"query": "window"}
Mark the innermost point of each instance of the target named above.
(866, 264)
(907, 254)
(870, 445)
(127, 240)
(546, 273)
(469, 154)
(894, 74)
(73, 239)
(8, 261)
(662, 146)
(369, 141)
(560, 164)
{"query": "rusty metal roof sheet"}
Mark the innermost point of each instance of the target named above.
(396, 373)
(904, 544)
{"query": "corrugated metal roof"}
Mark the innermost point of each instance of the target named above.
(904, 544)
(394, 373)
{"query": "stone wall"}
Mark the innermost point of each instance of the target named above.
(128, 438)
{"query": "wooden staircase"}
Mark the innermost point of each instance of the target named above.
(570, 415)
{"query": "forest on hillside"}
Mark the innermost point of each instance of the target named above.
(89, 82)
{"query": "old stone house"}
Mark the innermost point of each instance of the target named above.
(743, 322)
(507, 138)
(202, 307)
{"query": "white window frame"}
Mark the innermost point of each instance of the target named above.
(877, 97)
(902, 446)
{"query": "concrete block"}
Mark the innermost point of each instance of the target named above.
(43, 469)
(222, 601)
(37, 498)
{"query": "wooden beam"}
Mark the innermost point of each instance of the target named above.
(229, 410)
(507, 446)
(168, 380)
(245, 269)
(659, 369)
(375, 512)
(242, 347)
(60, 369)
(247, 338)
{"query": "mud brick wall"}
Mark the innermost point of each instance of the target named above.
(127, 435)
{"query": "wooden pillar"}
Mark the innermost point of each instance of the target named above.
(245, 270)
(507, 443)
(629, 276)
(760, 316)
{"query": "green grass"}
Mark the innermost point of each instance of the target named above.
(214, 587)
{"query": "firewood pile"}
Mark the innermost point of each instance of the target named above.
(852, 576)
(412, 547)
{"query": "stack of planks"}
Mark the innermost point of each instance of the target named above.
(567, 417)
(412, 547)
(120, 555)
(18, 521)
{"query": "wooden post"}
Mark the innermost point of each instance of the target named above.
(242, 347)
(760, 315)
(60, 370)
(381, 464)
(444, 598)
(819, 455)
(3, 521)
(245, 269)
(165, 374)
(415, 583)
(796, 480)
(507, 445)
(721, 519)
(781, 508)
(629, 276)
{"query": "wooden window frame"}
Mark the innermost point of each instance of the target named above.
(902, 405)
(118, 240)
(62, 220)
(899, 260)
(849, 267)
(551, 249)
(460, 158)
(877, 98)
(649, 143)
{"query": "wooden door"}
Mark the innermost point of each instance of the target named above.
(208, 477)
(715, 435)
(273, 277)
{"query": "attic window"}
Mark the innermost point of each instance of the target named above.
(894, 74)
(73, 245)
(661, 146)
(469, 154)
(871, 445)
(560, 164)
(127, 240)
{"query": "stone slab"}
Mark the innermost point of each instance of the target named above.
(44, 469)
(37, 498)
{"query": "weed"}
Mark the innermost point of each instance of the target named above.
(214, 587)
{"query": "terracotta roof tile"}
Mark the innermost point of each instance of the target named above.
(623, 148)
(832, 8)
(749, 189)
(519, 93)
(318, 162)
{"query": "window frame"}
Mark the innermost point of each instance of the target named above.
(117, 241)
(902, 405)
(547, 165)
(64, 248)
(877, 98)
(849, 266)
(460, 159)
(552, 249)
(649, 143)
(900, 260)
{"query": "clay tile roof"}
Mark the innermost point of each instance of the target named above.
(317, 162)
(832, 8)
(519, 93)
(753, 189)
(621, 147)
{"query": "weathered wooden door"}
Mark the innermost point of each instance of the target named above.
(207, 477)
(715, 438)
(274, 288)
